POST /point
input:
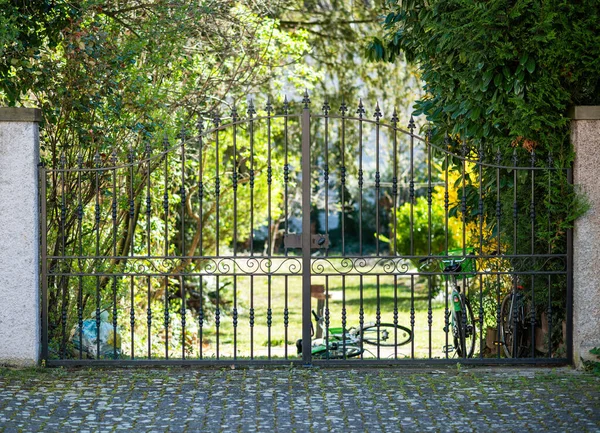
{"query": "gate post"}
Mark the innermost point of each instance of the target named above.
(585, 137)
(19, 237)
(306, 190)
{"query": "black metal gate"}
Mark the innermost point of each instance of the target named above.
(217, 245)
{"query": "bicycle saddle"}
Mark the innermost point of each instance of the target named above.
(453, 268)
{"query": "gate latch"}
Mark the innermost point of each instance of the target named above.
(294, 240)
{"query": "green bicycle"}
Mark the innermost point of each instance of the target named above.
(343, 343)
(462, 323)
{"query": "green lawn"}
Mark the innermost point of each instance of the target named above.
(277, 342)
(263, 341)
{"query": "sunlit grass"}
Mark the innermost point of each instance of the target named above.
(275, 340)
(261, 293)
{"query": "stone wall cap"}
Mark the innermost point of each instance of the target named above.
(585, 112)
(20, 114)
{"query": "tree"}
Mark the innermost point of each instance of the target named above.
(115, 79)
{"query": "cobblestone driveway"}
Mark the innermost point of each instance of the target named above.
(300, 400)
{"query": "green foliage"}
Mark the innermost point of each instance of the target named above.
(499, 70)
(26, 27)
(499, 76)
(594, 366)
(422, 231)
(113, 77)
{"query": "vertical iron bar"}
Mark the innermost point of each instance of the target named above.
(166, 250)
(480, 210)
(79, 260)
(269, 110)
(114, 249)
(63, 279)
(343, 110)
(377, 116)
(446, 240)
(286, 172)
(360, 111)
(532, 216)
(570, 281)
(131, 252)
(44, 264)
(515, 337)
(549, 201)
(411, 127)
(326, 109)
(251, 111)
(234, 181)
(148, 251)
(200, 229)
(499, 252)
(395, 224)
(464, 314)
(412, 315)
(306, 271)
(361, 313)
(429, 202)
(184, 254)
(216, 121)
(97, 219)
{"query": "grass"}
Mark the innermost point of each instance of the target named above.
(261, 293)
(262, 341)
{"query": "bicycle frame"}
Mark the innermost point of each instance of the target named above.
(458, 312)
(517, 317)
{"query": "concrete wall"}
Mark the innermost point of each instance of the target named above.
(585, 136)
(19, 237)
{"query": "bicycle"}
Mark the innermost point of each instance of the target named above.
(343, 343)
(513, 322)
(462, 322)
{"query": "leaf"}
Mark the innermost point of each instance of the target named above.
(530, 65)
(497, 79)
(524, 58)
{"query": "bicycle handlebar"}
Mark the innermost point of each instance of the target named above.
(316, 316)
(455, 261)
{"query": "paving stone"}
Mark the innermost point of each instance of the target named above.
(299, 400)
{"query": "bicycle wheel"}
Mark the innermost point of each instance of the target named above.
(467, 333)
(337, 351)
(511, 329)
(385, 335)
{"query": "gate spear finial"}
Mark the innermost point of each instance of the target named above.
(326, 107)
(361, 109)
(251, 111)
(306, 99)
(377, 114)
(286, 105)
(394, 117)
(343, 108)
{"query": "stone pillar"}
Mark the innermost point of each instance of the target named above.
(585, 136)
(19, 237)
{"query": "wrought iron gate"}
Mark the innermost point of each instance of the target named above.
(216, 249)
